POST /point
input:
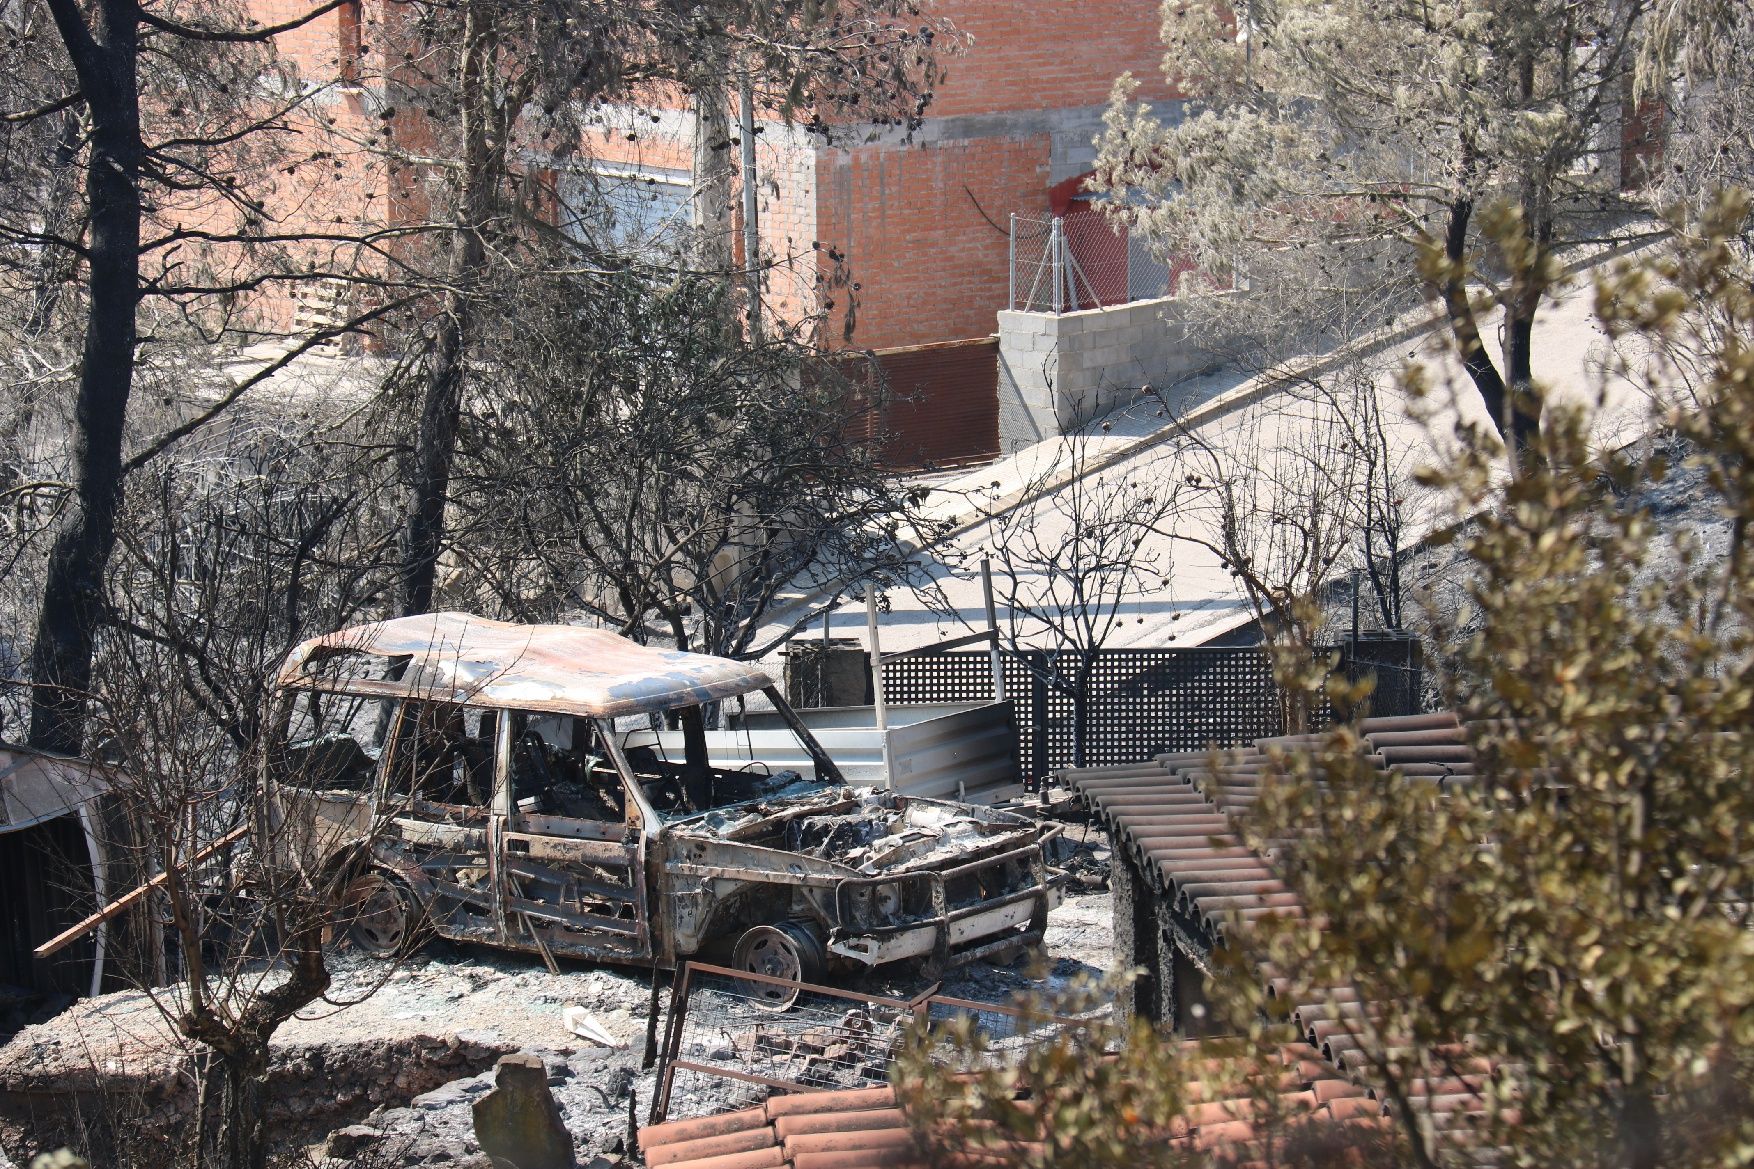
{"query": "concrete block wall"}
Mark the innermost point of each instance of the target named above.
(1058, 372)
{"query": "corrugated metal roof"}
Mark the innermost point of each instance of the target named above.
(37, 786)
(1172, 818)
(561, 669)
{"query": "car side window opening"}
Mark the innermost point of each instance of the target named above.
(560, 766)
(444, 753)
(329, 743)
(692, 785)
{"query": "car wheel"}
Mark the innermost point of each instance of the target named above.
(382, 918)
(791, 950)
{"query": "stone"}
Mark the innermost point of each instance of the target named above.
(519, 1123)
(346, 1143)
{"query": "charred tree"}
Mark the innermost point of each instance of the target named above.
(104, 50)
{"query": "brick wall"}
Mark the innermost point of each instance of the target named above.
(786, 194)
(929, 267)
(1054, 55)
(890, 221)
(315, 46)
(1016, 114)
(328, 182)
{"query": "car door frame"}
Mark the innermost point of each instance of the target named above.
(402, 825)
(532, 842)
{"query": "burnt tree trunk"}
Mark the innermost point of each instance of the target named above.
(435, 442)
(231, 1103)
(231, 1116)
(1463, 326)
(1527, 287)
(103, 53)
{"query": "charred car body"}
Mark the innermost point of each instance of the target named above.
(506, 784)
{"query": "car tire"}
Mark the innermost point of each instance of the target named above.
(792, 950)
(382, 919)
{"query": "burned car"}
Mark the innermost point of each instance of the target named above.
(511, 785)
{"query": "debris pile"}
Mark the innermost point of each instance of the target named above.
(395, 1073)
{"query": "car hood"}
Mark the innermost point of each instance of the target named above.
(869, 831)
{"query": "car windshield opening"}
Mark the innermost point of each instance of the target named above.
(686, 768)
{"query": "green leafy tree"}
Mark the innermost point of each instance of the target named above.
(1565, 938)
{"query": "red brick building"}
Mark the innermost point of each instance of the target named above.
(908, 232)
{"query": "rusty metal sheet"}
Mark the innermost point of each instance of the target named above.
(564, 851)
(561, 669)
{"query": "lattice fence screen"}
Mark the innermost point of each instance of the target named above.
(1142, 702)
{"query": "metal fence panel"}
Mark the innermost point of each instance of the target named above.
(723, 1026)
(1142, 701)
(732, 1038)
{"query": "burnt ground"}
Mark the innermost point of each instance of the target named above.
(398, 1054)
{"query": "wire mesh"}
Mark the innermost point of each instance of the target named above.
(1141, 702)
(727, 1046)
(726, 1038)
(1006, 1032)
(1080, 260)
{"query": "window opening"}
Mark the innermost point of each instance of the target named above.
(444, 753)
(331, 742)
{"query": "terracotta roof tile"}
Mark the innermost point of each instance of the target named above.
(864, 1129)
(747, 1141)
(810, 1130)
(1175, 825)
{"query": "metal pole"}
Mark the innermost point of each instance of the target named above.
(824, 696)
(751, 214)
(877, 684)
(1352, 671)
(876, 657)
(1011, 266)
(993, 631)
(1057, 248)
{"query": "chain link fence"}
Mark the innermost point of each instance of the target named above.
(1064, 263)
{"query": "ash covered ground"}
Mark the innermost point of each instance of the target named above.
(387, 1069)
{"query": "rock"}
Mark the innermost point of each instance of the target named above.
(59, 1159)
(345, 1143)
(518, 1122)
(440, 1098)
